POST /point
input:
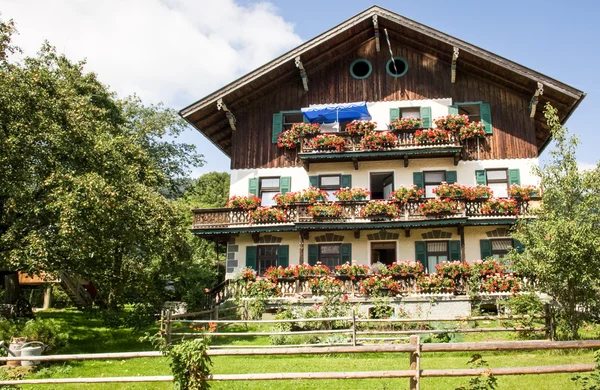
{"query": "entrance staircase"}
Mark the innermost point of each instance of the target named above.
(82, 295)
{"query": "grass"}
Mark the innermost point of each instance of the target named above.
(89, 335)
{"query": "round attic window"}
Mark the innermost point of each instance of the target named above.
(399, 70)
(360, 69)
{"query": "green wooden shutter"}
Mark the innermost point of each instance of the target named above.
(313, 181)
(421, 252)
(285, 184)
(251, 257)
(480, 177)
(486, 117)
(418, 179)
(451, 177)
(346, 253)
(346, 181)
(485, 247)
(253, 186)
(514, 177)
(426, 117)
(277, 126)
(518, 245)
(283, 255)
(452, 110)
(313, 254)
(454, 247)
(394, 113)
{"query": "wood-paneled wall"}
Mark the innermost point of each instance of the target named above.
(427, 78)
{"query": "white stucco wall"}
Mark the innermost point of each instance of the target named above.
(380, 111)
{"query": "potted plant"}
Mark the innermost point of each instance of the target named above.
(328, 142)
(523, 192)
(435, 284)
(247, 202)
(352, 194)
(406, 194)
(452, 191)
(378, 140)
(267, 215)
(472, 130)
(477, 192)
(286, 200)
(325, 210)
(432, 136)
(311, 195)
(452, 122)
(360, 128)
(405, 269)
(500, 207)
(379, 209)
(438, 207)
(401, 124)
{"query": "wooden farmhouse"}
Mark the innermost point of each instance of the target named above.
(430, 139)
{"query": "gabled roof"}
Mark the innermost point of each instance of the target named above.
(205, 117)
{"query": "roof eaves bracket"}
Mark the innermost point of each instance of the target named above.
(221, 106)
(376, 27)
(453, 68)
(535, 99)
(303, 74)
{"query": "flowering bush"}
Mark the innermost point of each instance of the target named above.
(301, 270)
(291, 138)
(286, 200)
(451, 122)
(267, 214)
(380, 285)
(263, 288)
(432, 136)
(244, 274)
(325, 210)
(378, 140)
(348, 194)
(500, 207)
(435, 284)
(406, 123)
(472, 130)
(523, 192)
(312, 195)
(446, 190)
(500, 283)
(379, 208)
(477, 192)
(351, 270)
(483, 268)
(405, 268)
(360, 127)
(320, 269)
(325, 285)
(248, 202)
(438, 206)
(329, 142)
(406, 193)
(453, 269)
(274, 273)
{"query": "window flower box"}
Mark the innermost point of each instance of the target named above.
(267, 215)
(325, 285)
(455, 270)
(438, 207)
(328, 142)
(452, 191)
(325, 210)
(435, 284)
(500, 207)
(311, 195)
(248, 202)
(360, 128)
(451, 122)
(407, 194)
(523, 192)
(291, 138)
(379, 209)
(403, 124)
(405, 269)
(351, 271)
(472, 130)
(432, 136)
(286, 200)
(477, 192)
(352, 194)
(482, 268)
(378, 285)
(497, 283)
(379, 140)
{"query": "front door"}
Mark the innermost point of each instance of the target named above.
(383, 252)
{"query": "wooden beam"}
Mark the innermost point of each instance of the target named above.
(355, 163)
(303, 74)
(456, 158)
(406, 161)
(301, 248)
(221, 106)
(356, 233)
(407, 232)
(535, 99)
(306, 165)
(255, 237)
(453, 67)
(376, 27)
(461, 233)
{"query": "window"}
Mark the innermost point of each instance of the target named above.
(382, 185)
(473, 111)
(410, 112)
(330, 255)
(497, 180)
(266, 256)
(476, 111)
(291, 118)
(423, 113)
(269, 186)
(396, 67)
(330, 183)
(360, 69)
(334, 127)
(432, 180)
(437, 251)
(383, 252)
(501, 247)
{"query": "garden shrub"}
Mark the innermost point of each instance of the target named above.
(48, 332)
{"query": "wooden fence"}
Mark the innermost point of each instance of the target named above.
(415, 349)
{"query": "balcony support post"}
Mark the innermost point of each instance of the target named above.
(461, 233)
(406, 161)
(301, 234)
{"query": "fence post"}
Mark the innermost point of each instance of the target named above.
(353, 328)
(415, 362)
(162, 320)
(549, 321)
(168, 327)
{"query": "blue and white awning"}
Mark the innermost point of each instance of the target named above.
(329, 113)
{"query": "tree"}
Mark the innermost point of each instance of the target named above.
(81, 174)
(562, 244)
(209, 190)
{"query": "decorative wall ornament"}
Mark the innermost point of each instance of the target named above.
(383, 235)
(500, 232)
(329, 237)
(269, 239)
(436, 234)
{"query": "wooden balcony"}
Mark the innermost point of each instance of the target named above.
(406, 147)
(225, 220)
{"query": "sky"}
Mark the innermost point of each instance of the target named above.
(178, 51)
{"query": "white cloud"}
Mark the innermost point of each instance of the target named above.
(585, 166)
(175, 51)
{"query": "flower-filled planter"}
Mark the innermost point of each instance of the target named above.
(291, 138)
(378, 140)
(496, 283)
(301, 270)
(263, 288)
(453, 191)
(311, 195)
(352, 271)
(482, 268)
(431, 136)
(325, 210)
(274, 273)
(500, 207)
(472, 130)
(438, 207)
(325, 285)
(377, 285)
(267, 215)
(405, 269)
(249, 202)
(320, 269)
(406, 194)
(435, 284)
(406, 124)
(361, 128)
(244, 275)
(286, 200)
(523, 192)
(451, 122)
(379, 209)
(328, 142)
(477, 192)
(455, 270)
(352, 194)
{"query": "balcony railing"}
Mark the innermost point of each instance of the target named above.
(351, 213)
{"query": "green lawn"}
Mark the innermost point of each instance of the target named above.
(88, 335)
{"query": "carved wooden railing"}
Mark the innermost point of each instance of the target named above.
(405, 140)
